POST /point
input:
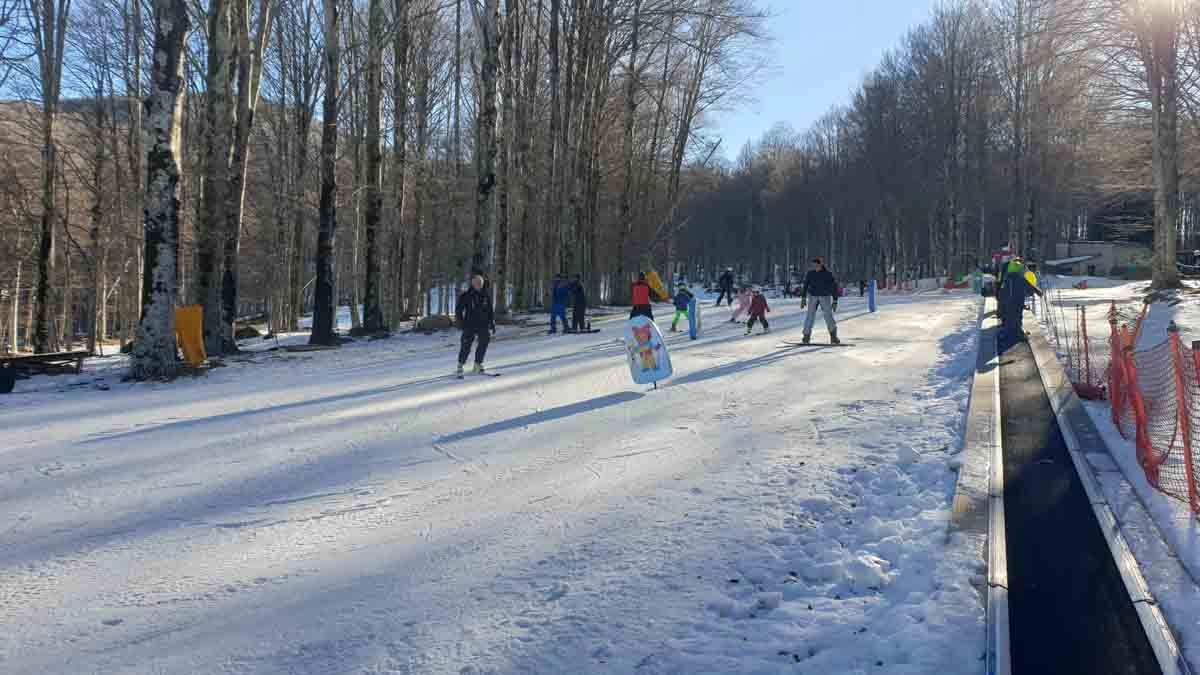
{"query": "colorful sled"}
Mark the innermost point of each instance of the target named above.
(647, 352)
(656, 284)
(694, 321)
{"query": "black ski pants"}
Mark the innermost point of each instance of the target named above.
(468, 338)
(642, 310)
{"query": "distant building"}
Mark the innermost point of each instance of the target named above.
(1102, 258)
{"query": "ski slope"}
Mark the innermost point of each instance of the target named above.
(767, 510)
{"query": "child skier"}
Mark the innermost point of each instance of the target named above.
(758, 312)
(641, 298)
(744, 297)
(477, 320)
(683, 300)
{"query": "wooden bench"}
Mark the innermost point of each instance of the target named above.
(57, 363)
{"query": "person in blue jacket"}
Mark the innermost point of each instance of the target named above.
(683, 300)
(560, 296)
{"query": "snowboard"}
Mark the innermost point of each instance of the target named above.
(581, 332)
(787, 343)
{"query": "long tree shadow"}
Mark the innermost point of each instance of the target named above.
(748, 364)
(543, 416)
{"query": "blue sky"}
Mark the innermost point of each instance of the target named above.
(822, 49)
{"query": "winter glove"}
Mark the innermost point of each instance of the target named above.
(835, 304)
(803, 302)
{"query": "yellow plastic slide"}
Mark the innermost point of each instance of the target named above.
(189, 331)
(656, 284)
(1032, 279)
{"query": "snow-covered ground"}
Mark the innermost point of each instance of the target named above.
(769, 510)
(1162, 532)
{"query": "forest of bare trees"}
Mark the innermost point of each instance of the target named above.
(275, 159)
(291, 156)
(993, 123)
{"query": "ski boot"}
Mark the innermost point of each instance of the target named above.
(833, 339)
(458, 372)
(806, 339)
(479, 369)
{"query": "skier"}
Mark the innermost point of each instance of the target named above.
(641, 298)
(683, 300)
(1012, 301)
(579, 305)
(821, 285)
(477, 319)
(726, 284)
(744, 297)
(758, 311)
(559, 296)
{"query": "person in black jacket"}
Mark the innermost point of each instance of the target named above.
(726, 284)
(579, 305)
(477, 319)
(822, 287)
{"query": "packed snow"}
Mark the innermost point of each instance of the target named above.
(1162, 532)
(769, 509)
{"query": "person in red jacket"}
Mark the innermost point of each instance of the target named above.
(641, 298)
(758, 311)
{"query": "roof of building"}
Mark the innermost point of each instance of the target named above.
(1071, 261)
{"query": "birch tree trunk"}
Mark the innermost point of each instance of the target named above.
(154, 348)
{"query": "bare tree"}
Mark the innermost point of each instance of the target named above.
(487, 27)
(1157, 25)
(154, 349)
(215, 191)
(324, 323)
(250, 48)
(49, 26)
(373, 321)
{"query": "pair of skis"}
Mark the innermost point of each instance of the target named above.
(787, 343)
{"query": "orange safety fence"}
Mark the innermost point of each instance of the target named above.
(1153, 393)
